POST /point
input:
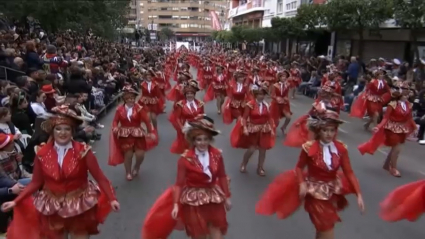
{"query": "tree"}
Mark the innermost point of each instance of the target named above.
(410, 15)
(357, 15)
(311, 17)
(102, 17)
(287, 27)
(166, 33)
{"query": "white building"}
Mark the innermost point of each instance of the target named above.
(279, 8)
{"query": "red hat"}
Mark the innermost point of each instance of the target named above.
(5, 139)
(48, 89)
(63, 115)
(191, 86)
(205, 123)
(128, 91)
(261, 88)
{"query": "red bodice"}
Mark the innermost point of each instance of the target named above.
(233, 91)
(373, 88)
(311, 157)
(184, 113)
(253, 114)
(190, 172)
(281, 90)
(153, 92)
(73, 175)
(219, 79)
(398, 119)
(137, 117)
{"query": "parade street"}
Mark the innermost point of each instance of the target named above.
(159, 171)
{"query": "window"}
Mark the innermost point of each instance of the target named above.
(288, 7)
(280, 6)
(176, 17)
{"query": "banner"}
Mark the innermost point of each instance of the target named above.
(215, 21)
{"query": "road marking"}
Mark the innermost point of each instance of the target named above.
(292, 104)
(345, 122)
(382, 151)
(421, 172)
(343, 130)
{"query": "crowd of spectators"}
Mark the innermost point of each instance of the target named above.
(39, 71)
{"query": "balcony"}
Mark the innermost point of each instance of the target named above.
(253, 6)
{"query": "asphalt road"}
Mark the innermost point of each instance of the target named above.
(159, 170)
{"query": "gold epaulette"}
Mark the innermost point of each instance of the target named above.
(249, 104)
(201, 103)
(180, 103)
(184, 155)
(86, 149)
(393, 104)
(307, 145)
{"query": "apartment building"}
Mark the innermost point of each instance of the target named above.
(133, 16)
(189, 19)
(247, 12)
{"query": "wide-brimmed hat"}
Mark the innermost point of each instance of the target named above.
(206, 123)
(129, 91)
(191, 86)
(262, 87)
(322, 119)
(255, 68)
(61, 115)
(280, 73)
(48, 89)
(185, 74)
(5, 139)
(240, 72)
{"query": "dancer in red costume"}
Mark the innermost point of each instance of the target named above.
(128, 137)
(237, 96)
(374, 98)
(151, 98)
(184, 112)
(65, 202)
(201, 194)
(396, 125)
(176, 93)
(217, 89)
(207, 75)
(295, 78)
(321, 188)
(280, 106)
(404, 203)
(298, 133)
(255, 130)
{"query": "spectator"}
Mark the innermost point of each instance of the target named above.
(20, 118)
(8, 191)
(37, 105)
(353, 71)
(31, 57)
(77, 83)
(10, 160)
(48, 90)
(313, 81)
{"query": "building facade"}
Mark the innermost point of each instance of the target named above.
(246, 12)
(189, 19)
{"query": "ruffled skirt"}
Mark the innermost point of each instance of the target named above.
(257, 138)
(194, 219)
(282, 198)
(49, 216)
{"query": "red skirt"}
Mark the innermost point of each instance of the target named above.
(380, 138)
(279, 111)
(405, 202)
(154, 108)
(282, 198)
(373, 108)
(298, 133)
(195, 219)
(132, 143)
(259, 139)
(230, 113)
(38, 226)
